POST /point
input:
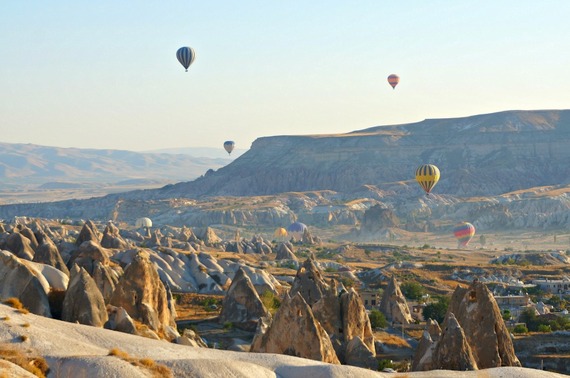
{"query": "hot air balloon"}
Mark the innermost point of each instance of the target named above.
(296, 230)
(280, 232)
(393, 80)
(229, 146)
(143, 222)
(186, 56)
(427, 176)
(464, 232)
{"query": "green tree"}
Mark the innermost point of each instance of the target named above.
(377, 319)
(544, 328)
(520, 328)
(436, 311)
(412, 290)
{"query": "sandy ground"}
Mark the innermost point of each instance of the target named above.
(74, 350)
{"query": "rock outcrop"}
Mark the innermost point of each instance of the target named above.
(453, 350)
(309, 282)
(296, 332)
(425, 352)
(112, 238)
(241, 305)
(141, 293)
(479, 315)
(83, 301)
(89, 232)
(20, 245)
(19, 280)
(47, 253)
(284, 253)
(119, 320)
(393, 304)
(344, 318)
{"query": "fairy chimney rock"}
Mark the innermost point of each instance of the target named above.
(141, 293)
(394, 305)
(309, 282)
(453, 350)
(296, 332)
(242, 305)
(479, 315)
(83, 301)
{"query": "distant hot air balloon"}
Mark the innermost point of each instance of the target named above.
(143, 223)
(296, 230)
(186, 56)
(393, 80)
(427, 176)
(229, 146)
(280, 233)
(464, 232)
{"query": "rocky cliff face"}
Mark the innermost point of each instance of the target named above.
(486, 155)
(478, 155)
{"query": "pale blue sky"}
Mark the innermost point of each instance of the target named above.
(103, 74)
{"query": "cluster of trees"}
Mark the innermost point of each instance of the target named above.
(536, 323)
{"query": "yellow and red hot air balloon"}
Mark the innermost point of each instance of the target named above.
(427, 176)
(464, 232)
(393, 80)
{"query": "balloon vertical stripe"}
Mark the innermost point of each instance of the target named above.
(186, 56)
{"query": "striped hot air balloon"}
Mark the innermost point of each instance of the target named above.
(464, 232)
(427, 176)
(186, 56)
(393, 80)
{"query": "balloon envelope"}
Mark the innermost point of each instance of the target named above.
(143, 222)
(427, 176)
(280, 232)
(464, 232)
(297, 230)
(393, 80)
(229, 146)
(186, 56)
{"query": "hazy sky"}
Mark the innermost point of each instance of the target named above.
(103, 74)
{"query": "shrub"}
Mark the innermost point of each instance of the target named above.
(377, 319)
(228, 325)
(412, 290)
(520, 328)
(436, 311)
(544, 328)
(270, 301)
(383, 364)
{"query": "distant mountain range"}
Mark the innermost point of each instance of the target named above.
(52, 166)
(207, 152)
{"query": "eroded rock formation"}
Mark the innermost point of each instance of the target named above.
(393, 304)
(83, 301)
(296, 332)
(241, 305)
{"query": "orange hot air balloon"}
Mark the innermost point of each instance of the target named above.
(393, 80)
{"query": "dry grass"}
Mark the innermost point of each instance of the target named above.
(157, 370)
(36, 365)
(391, 340)
(25, 325)
(23, 338)
(15, 303)
(5, 318)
